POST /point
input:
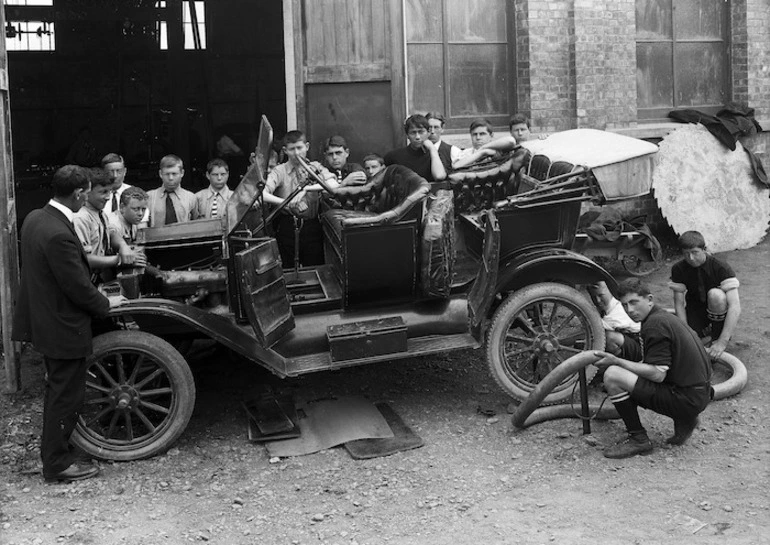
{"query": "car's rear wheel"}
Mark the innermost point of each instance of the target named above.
(534, 330)
(140, 395)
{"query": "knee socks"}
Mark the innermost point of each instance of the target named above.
(717, 323)
(628, 411)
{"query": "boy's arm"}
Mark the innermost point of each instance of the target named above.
(654, 373)
(474, 157)
(731, 320)
(126, 256)
(504, 143)
(437, 169)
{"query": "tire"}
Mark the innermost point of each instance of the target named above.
(527, 413)
(140, 395)
(535, 330)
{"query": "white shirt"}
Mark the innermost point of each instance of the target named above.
(108, 207)
(616, 319)
(69, 214)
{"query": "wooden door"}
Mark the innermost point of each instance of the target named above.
(350, 73)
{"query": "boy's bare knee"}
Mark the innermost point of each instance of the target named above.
(614, 342)
(717, 300)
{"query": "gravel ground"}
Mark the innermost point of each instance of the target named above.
(474, 481)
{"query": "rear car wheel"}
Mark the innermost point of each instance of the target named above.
(536, 329)
(140, 395)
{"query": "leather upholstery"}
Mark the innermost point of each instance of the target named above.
(387, 198)
(477, 187)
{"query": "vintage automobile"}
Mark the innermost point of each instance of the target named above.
(483, 260)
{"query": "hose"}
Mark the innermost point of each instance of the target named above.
(526, 414)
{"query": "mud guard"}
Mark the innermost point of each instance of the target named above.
(551, 265)
(217, 327)
(483, 290)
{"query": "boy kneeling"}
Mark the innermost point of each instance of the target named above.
(673, 378)
(705, 293)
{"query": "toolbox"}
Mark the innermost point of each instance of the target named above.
(358, 340)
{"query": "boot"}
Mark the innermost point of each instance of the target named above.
(682, 431)
(635, 443)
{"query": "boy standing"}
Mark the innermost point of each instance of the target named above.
(421, 155)
(115, 167)
(98, 240)
(125, 220)
(705, 293)
(170, 203)
(302, 212)
(673, 379)
(446, 152)
(212, 201)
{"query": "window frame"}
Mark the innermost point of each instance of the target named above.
(460, 123)
(187, 24)
(39, 13)
(658, 114)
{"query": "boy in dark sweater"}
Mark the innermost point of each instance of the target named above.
(705, 293)
(673, 378)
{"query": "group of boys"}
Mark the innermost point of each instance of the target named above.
(426, 154)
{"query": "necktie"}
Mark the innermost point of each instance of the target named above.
(170, 212)
(215, 205)
(103, 238)
(114, 202)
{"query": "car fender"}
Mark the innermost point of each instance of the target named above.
(551, 265)
(222, 329)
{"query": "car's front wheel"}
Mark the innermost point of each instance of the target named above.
(140, 395)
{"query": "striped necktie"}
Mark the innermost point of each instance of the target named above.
(215, 205)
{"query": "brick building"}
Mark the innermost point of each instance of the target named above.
(133, 73)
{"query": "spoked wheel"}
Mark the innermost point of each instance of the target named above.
(639, 267)
(536, 329)
(140, 395)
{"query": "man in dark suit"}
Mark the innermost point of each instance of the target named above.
(55, 304)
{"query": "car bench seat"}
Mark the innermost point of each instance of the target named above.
(371, 236)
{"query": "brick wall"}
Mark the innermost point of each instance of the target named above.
(758, 72)
(605, 63)
(549, 52)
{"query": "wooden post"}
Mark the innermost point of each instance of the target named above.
(9, 247)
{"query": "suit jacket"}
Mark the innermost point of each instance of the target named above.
(56, 297)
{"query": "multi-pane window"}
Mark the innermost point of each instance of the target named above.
(681, 55)
(31, 34)
(459, 59)
(193, 22)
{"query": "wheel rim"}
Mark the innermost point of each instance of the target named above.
(129, 400)
(539, 337)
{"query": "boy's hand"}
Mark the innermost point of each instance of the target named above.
(117, 300)
(355, 178)
(140, 260)
(605, 359)
(428, 145)
(716, 349)
(126, 255)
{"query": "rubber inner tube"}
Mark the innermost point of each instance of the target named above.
(528, 414)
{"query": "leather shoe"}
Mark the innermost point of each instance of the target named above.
(634, 444)
(682, 431)
(75, 472)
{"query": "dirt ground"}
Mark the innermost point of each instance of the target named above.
(474, 481)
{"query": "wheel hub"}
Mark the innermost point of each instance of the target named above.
(546, 344)
(124, 397)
